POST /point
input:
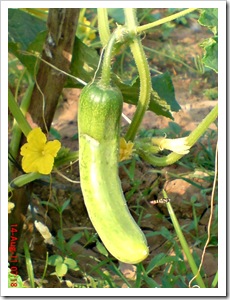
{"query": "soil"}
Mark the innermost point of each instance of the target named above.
(194, 107)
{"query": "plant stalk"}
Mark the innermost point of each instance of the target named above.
(144, 74)
(183, 242)
(106, 65)
(103, 25)
(164, 20)
(22, 180)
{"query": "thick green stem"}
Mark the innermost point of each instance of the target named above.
(16, 130)
(17, 114)
(203, 126)
(144, 74)
(106, 65)
(23, 180)
(103, 25)
(191, 140)
(164, 20)
(184, 244)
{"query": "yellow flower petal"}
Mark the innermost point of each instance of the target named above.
(125, 149)
(45, 164)
(29, 162)
(38, 156)
(52, 148)
(11, 206)
(36, 138)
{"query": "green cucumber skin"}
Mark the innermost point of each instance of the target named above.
(99, 122)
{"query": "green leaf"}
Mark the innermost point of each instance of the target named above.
(209, 18)
(76, 237)
(65, 204)
(101, 249)
(210, 58)
(64, 156)
(163, 85)
(84, 64)
(53, 260)
(35, 46)
(159, 260)
(150, 282)
(61, 269)
(70, 262)
(23, 27)
(162, 100)
(49, 204)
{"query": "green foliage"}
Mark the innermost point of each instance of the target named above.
(62, 265)
(166, 101)
(212, 93)
(29, 265)
(209, 18)
(20, 23)
(27, 59)
(84, 63)
(162, 100)
(101, 248)
(14, 281)
(65, 156)
(24, 32)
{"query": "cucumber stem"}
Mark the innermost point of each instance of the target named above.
(23, 180)
(144, 74)
(103, 25)
(164, 20)
(106, 65)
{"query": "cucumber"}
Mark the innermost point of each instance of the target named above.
(99, 124)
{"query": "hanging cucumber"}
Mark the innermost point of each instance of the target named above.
(99, 122)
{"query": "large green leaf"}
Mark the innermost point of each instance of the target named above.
(209, 18)
(26, 33)
(35, 46)
(23, 28)
(163, 85)
(210, 57)
(84, 63)
(162, 100)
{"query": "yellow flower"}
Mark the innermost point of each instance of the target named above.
(178, 146)
(10, 207)
(85, 28)
(125, 149)
(38, 154)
